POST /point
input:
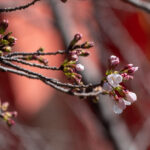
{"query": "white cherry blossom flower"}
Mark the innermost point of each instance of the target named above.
(114, 79)
(120, 106)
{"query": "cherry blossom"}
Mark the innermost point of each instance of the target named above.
(114, 79)
(120, 106)
(113, 83)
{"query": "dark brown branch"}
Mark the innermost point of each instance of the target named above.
(139, 4)
(19, 7)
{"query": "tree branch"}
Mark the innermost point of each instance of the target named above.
(19, 7)
(32, 64)
(63, 87)
(35, 53)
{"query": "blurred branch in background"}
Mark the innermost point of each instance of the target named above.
(144, 5)
(143, 134)
(18, 7)
(110, 126)
(129, 50)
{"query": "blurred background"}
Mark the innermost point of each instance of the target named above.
(50, 120)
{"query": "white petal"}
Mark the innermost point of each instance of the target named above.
(113, 57)
(127, 102)
(107, 87)
(121, 104)
(117, 109)
(110, 79)
(131, 97)
(118, 78)
(136, 68)
(114, 79)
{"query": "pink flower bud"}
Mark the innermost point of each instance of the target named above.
(74, 57)
(12, 40)
(14, 114)
(79, 67)
(131, 97)
(113, 61)
(126, 77)
(133, 69)
(78, 37)
(128, 66)
(3, 26)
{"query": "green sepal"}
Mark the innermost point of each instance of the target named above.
(4, 42)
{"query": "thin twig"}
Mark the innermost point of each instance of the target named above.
(35, 53)
(26, 70)
(6, 69)
(19, 7)
(21, 73)
(31, 64)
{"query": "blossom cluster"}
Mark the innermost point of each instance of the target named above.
(6, 115)
(113, 83)
(70, 66)
(7, 41)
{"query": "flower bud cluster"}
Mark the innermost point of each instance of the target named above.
(7, 41)
(113, 83)
(70, 66)
(7, 116)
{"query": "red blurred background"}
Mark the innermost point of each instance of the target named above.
(51, 120)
